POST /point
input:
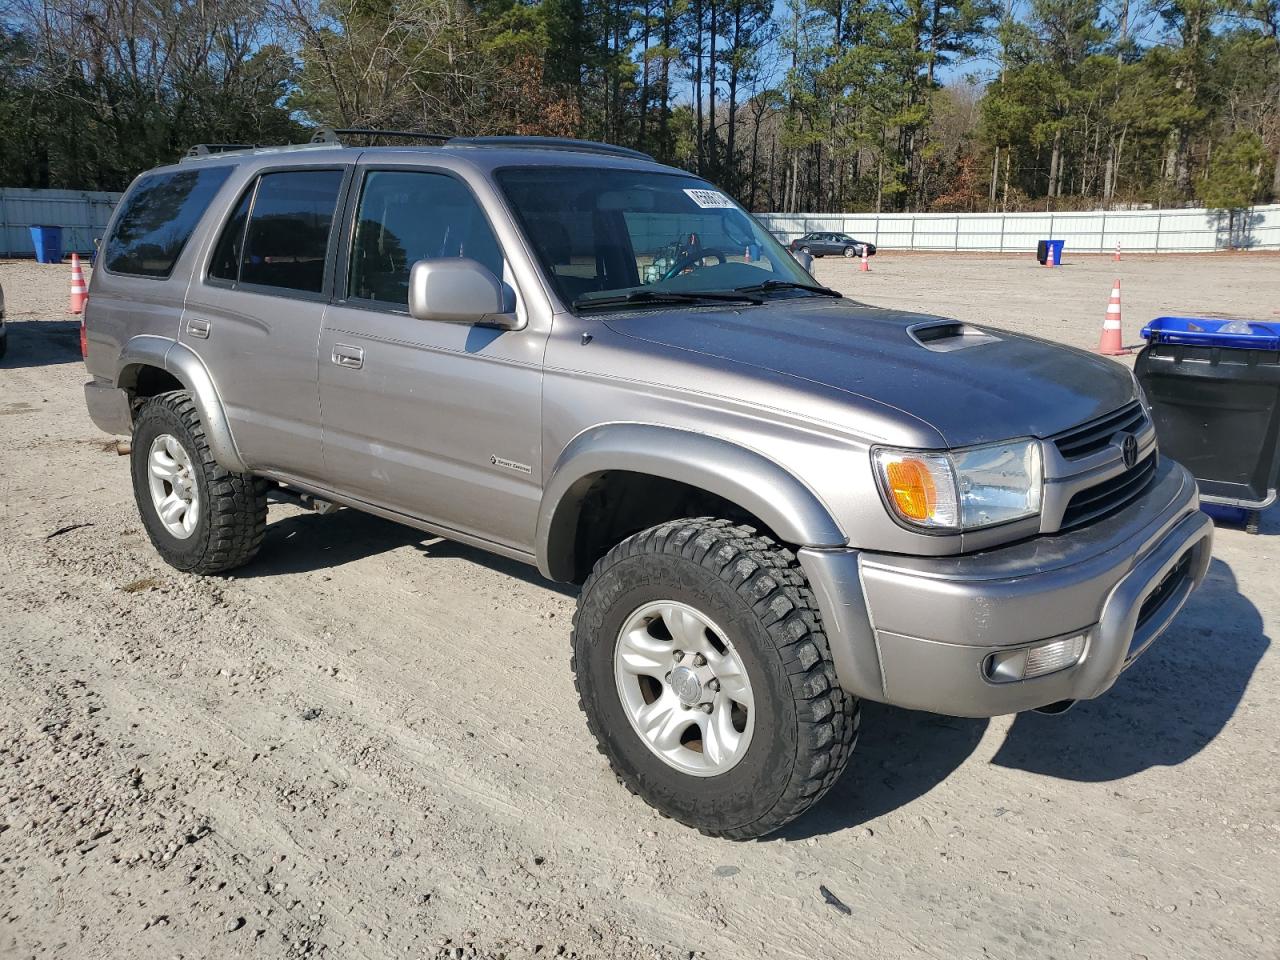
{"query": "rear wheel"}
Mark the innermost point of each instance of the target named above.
(200, 517)
(705, 676)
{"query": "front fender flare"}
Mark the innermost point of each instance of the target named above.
(742, 476)
(181, 361)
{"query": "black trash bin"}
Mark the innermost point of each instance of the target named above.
(1215, 398)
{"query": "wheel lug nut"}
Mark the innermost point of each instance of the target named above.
(706, 708)
(713, 685)
(677, 654)
(699, 660)
(668, 676)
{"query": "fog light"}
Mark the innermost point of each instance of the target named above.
(1037, 661)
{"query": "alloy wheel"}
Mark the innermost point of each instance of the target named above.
(684, 688)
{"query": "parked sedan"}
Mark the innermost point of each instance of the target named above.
(833, 244)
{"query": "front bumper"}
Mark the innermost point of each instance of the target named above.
(921, 632)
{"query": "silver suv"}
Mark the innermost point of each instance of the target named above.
(777, 501)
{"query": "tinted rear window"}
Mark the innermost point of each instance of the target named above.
(158, 217)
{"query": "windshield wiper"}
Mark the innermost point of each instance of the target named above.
(667, 296)
(769, 285)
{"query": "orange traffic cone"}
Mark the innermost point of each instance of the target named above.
(1117, 256)
(79, 292)
(747, 255)
(1048, 257)
(1111, 345)
(866, 264)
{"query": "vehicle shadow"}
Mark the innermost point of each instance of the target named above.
(901, 755)
(1164, 709)
(41, 343)
(309, 542)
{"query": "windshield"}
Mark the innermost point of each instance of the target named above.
(609, 238)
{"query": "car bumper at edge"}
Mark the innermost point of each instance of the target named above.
(108, 408)
(921, 632)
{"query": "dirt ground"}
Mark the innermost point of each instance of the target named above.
(366, 743)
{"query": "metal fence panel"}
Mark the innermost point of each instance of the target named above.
(82, 214)
(1086, 231)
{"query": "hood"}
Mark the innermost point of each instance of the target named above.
(971, 384)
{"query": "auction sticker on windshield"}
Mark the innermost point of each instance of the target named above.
(710, 199)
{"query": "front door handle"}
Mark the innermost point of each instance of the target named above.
(348, 356)
(198, 328)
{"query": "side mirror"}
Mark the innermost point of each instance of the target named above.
(805, 260)
(458, 290)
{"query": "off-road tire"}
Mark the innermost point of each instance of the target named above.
(233, 506)
(805, 724)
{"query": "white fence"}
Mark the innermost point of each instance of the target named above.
(82, 215)
(1137, 231)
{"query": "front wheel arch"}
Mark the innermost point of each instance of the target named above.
(754, 487)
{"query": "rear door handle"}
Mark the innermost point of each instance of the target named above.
(348, 356)
(198, 328)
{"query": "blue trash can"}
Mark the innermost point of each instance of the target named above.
(1214, 389)
(1042, 251)
(48, 243)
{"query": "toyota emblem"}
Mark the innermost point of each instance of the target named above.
(1129, 449)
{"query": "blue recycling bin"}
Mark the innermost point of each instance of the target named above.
(1206, 332)
(48, 243)
(1042, 251)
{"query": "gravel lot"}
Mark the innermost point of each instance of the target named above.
(366, 743)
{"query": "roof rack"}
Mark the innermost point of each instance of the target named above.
(208, 149)
(550, 143)
(331, 137)
(335, 134)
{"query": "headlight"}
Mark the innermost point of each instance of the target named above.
(961, 489)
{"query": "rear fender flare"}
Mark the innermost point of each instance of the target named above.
(183, 363)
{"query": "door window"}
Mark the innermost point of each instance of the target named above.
(226, 255)
(406, 216)
(157, 220)
(287, 238)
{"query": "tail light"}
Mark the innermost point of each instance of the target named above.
(84, 340)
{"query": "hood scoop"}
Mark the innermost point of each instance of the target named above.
(946, 336)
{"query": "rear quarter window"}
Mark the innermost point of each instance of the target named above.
(157, 219)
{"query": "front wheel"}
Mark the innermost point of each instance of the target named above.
(850, 252)
(705, 676)
(200, 517)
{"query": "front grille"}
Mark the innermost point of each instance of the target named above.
(1171, 582)
(1110, 495)
(1093, 436)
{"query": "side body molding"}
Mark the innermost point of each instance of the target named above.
(747, 478)
(189, 369)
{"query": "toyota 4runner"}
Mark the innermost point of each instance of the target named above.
(777, 501)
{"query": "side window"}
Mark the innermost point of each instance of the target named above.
(405, 216)
(287, 237)
(157, 220)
